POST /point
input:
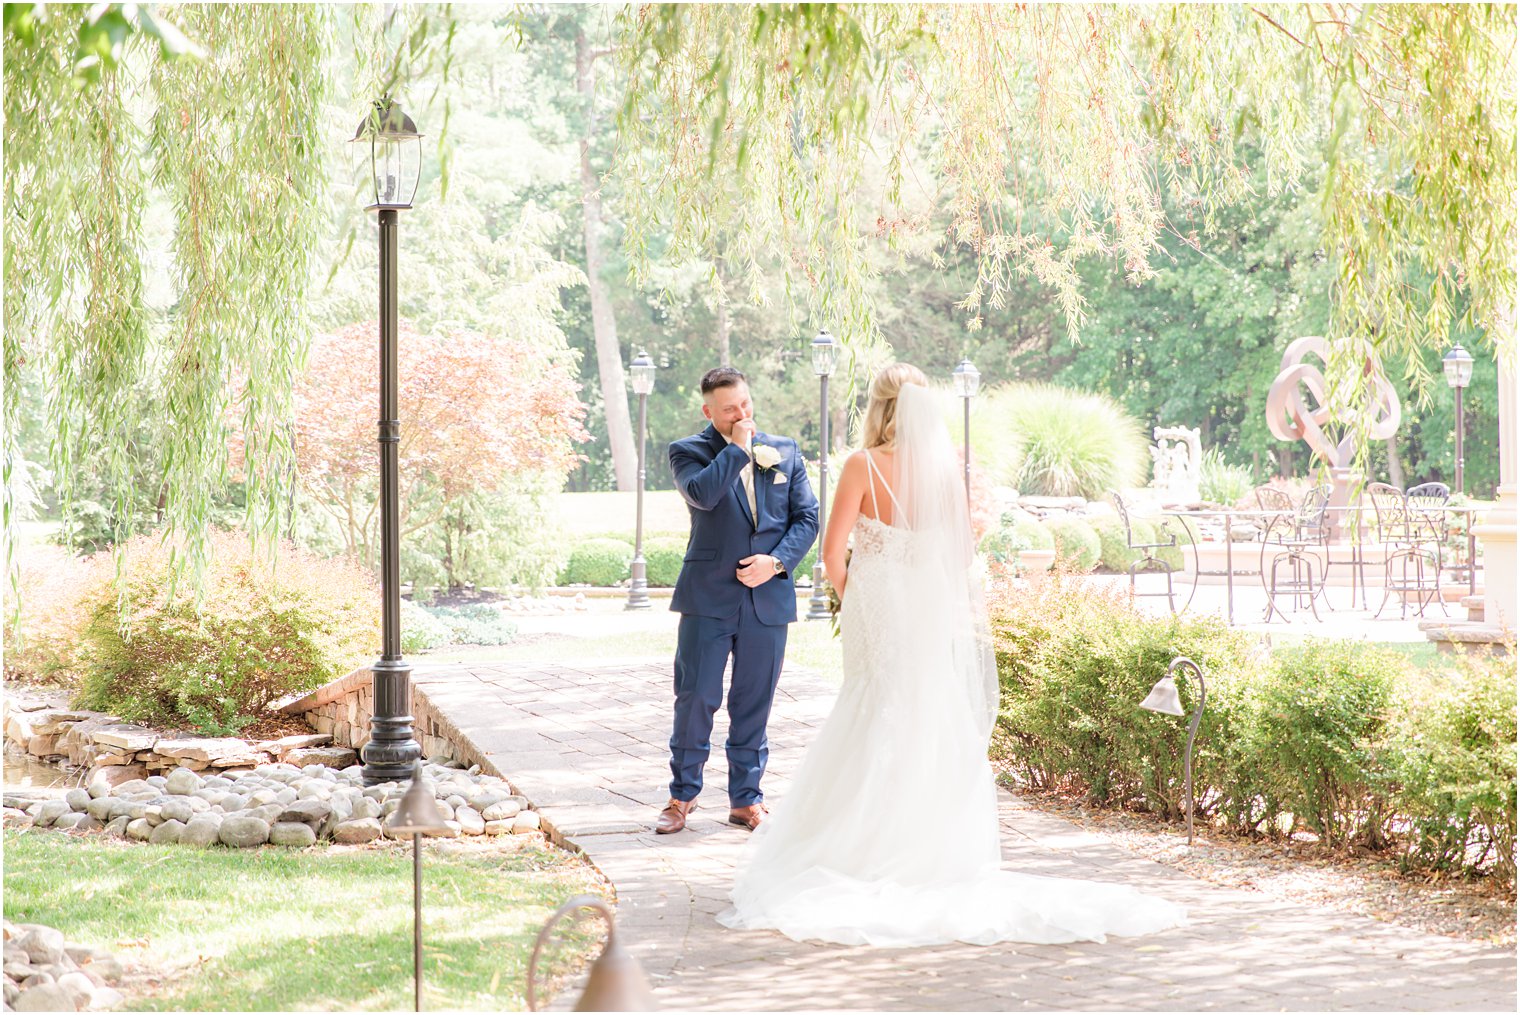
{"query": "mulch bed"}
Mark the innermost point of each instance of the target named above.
(1299, 869)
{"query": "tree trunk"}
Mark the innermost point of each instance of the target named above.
(1395, 468)
(609, 354)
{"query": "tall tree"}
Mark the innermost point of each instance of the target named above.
(609, 354)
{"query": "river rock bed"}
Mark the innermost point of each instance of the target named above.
(43, 972)
(277, 803)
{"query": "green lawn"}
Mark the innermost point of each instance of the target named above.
(280, 929)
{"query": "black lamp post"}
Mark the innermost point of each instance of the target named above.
(825, 358)
(1459, 368)
(967, 380)
(395, 155)
(1163, 698)
(417, 814)
(641, 372)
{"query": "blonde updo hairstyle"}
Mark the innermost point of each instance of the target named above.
(880, 430)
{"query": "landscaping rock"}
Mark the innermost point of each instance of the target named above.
(292, 833)
(64, 822)
(43, 945)
(527, 821)
(312, 812)
(127, 736)
(357, 830)
(106, 999)
(116, 776)
(169, 831)
(177, 810)
(50, 811)
(502, 810)
(182, 782)
(331, 757)
(47, 997)
(104, 808)
(140, 829)
(201, 831)
(77, 799)
(243, 831)
(470, 820)
(14, 816)
(203, 748)
(118, 825)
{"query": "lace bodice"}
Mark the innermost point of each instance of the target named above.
(875, 539)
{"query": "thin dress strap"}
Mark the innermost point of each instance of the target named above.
(875, 471)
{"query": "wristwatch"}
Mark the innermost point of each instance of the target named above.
(780, 567)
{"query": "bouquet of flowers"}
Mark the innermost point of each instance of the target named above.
(834, 601)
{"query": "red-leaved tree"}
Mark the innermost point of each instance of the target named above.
(475, 411)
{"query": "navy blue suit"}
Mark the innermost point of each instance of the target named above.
(720, 616)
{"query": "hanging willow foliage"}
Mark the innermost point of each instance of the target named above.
(239, 150)
(73, 262)
(236, 144)
(1041, 134)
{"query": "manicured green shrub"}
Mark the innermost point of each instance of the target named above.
(1114, 552)
(1339, 738)
(663, 557)
(1165, 527)
(1031, 532)
(1452, 751)
(1075, 662)
(602, 562)
(1002, 546)
(1077, 545)
(260, 632)
(421, 629)
(1323, 709)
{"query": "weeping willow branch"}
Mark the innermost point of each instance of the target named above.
(1053, 132)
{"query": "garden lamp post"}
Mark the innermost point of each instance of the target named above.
(1163, 698)
(616, 982)
(825, 358)
(1459, 369)
(417, 815)
(395, 156)
(641, 371)
(967, 380)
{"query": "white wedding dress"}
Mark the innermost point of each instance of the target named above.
(888, 835)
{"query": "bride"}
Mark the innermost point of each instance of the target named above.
(888, 835)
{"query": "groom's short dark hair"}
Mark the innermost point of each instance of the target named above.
(721, 377)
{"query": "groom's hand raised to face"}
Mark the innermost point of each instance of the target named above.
(757, 570)
(743, 433)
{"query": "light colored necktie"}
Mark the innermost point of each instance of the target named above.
(749, 489)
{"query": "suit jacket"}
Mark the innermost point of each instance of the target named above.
(707, 471)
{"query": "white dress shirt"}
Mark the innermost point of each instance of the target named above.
(748, 475)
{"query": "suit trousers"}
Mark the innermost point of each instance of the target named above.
(704, 646)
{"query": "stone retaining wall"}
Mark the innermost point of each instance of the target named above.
(114, 751)
(342, 710)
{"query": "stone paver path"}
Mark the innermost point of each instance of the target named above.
(587, 746)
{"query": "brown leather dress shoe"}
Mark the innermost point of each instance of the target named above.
(750, 817)
(673, 817)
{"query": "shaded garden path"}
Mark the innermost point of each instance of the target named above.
(587, 746)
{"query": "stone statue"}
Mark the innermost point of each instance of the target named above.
(1178, 464)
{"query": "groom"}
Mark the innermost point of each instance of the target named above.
(753, 518)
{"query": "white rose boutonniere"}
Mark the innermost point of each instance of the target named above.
(766, 457)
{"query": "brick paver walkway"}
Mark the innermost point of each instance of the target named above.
(587, 746)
